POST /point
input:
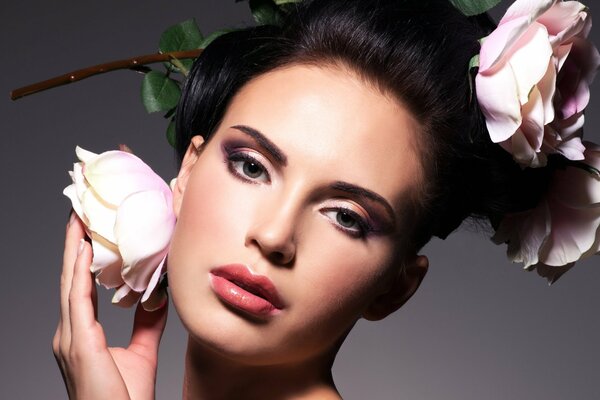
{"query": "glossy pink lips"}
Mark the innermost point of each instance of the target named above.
(237, 286)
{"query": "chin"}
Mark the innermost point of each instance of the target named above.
(231, 335)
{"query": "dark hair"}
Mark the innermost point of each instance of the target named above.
(416, 50)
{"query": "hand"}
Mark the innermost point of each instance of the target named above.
(90, 369)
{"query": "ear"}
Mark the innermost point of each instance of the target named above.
(189, 159)
(405, 284)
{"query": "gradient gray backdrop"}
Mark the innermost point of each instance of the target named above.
(479, 327)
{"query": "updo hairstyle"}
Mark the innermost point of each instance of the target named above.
(415, 50)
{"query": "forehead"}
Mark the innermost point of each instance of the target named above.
(333, 125)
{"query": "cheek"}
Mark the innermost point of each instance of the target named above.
(336, 282)
(211, 227)
(213, 211)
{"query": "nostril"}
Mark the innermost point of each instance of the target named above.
(276, 249)
(278, 257)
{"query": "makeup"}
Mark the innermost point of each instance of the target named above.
(236, 285)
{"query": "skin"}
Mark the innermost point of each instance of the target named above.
(284, 220)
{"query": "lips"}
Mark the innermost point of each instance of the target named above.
(237, 286)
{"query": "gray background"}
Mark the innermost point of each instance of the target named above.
(479, 327)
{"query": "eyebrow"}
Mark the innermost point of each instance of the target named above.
(262, 140)
(362, 192)
(279, 155)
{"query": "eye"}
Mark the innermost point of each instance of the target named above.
(248, 168)
(348, 221)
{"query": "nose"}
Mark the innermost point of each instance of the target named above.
(273, 233)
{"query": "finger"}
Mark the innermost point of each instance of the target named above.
(56, 340)
(148, 327)
(81, 304)
(75, 232)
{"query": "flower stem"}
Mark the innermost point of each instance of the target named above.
(180, 65)
(135, 64)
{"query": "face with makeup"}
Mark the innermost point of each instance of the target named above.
(289, 216)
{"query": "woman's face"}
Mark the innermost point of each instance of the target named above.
(299, 191)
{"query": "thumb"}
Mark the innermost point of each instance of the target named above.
(148, 327)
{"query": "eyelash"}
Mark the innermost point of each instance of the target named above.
(363, 226)
(245, 158)
(237, 156)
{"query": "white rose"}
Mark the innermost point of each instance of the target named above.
(127, 209)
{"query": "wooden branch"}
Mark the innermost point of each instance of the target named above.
(135, 64)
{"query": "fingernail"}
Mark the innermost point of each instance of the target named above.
(81, 244)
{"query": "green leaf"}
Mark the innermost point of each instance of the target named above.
(171, 132)
(207, 40)
(159, 92)
(474, 61)
(265, 12)
(474, 7)
(183, 36)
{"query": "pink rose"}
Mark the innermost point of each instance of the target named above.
(564, 227)
(533, 81)
(128, 213)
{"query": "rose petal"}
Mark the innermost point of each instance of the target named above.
(110, 277)
(114, 175)
(572, 148)
(568, 87)
(143, 228)
(105, 254)
(527, 8)
(125, 297)
(84, 155)
(154, 298)
(575, 93)
(547, 88)
(564, 19)
(495, 46)
(154, 279)
(515, 22)
(534, 120)
(101, 216)
(530, 62)
(502, 91)
(497, 97)
(523, 153)
(594, 248)
(561, 53)
(525, 233)
(79, 180)
(572, 234)
(71, 192)
(570, 126)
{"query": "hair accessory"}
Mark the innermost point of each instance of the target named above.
(128, 213)
(533, 82)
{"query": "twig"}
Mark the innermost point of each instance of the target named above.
(136, 64)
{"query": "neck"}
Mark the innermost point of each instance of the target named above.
(209, 375)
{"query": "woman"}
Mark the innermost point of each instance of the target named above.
(316, 161)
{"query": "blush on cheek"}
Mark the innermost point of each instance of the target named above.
(217, 207)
